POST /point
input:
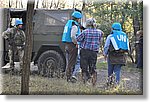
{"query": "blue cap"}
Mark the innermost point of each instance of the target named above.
(117, 26)
(76, 14)
(18, 22)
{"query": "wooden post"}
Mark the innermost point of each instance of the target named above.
(28, 49)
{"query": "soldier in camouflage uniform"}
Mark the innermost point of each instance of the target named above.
(16, 40)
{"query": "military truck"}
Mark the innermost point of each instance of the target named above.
(48, 50)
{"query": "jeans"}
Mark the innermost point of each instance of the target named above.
(77, 65)
(114, 68)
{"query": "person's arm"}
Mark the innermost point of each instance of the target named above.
(24, 37)
(73, 33)
(6, 33)
(106, 47)
(102, 33)
(80, 37)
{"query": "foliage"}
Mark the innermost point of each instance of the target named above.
(107, 12)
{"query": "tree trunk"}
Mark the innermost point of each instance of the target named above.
(136, 27)
(28, 49)
(83, 6)
(37, 4)
(141, 15)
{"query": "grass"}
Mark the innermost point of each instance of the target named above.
(101, 65)
(129, 67)
(43, 86)
(53, 86)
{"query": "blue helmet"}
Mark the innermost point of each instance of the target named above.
(18, 22)
(76, 14)
(117, 26)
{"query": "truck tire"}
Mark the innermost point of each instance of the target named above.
(51, 64)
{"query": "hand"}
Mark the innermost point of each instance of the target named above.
(76, 45)
(105, 57)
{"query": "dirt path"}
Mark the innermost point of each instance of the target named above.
(131, 83)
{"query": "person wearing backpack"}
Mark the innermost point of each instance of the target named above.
(71, 30)
(116, 45)
(16, 41)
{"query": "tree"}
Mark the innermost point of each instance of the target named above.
(128, 13)
(136, 26)
(28, 49)
(37, 4)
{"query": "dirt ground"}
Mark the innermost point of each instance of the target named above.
(131, 84)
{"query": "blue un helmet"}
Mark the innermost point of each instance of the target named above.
(18, 22)
(76, 14)
(117, 26)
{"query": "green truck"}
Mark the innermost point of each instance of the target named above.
(48, 50)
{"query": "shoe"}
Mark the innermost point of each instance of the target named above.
(74, 77)
(7, 65)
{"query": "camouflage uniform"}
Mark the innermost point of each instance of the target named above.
(16, 40)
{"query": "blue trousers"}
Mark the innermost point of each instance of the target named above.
(114, 68)
(77, 67)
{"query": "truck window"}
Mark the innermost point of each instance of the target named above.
(49, 21)
(56, 18)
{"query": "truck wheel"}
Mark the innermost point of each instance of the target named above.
(51, 64)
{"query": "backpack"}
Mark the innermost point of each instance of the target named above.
(116, 56)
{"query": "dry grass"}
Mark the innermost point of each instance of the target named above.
(41, 85)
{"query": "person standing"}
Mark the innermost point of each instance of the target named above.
(89, 40)
(71, 30)
(140, 49)
(77, 68)
(16, 40)
(116, 45)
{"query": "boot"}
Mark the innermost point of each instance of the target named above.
(94, 78)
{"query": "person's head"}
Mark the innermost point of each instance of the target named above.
(116, 26)
(91, 23)
(18, 23)
(76, 15)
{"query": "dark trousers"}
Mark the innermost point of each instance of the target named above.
(71, 56)
(140, 58)
(88, 61)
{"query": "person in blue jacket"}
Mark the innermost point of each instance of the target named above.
(114, 51)
(71, 30)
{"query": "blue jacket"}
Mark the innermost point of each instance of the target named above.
(67, 31)
(119, 41)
